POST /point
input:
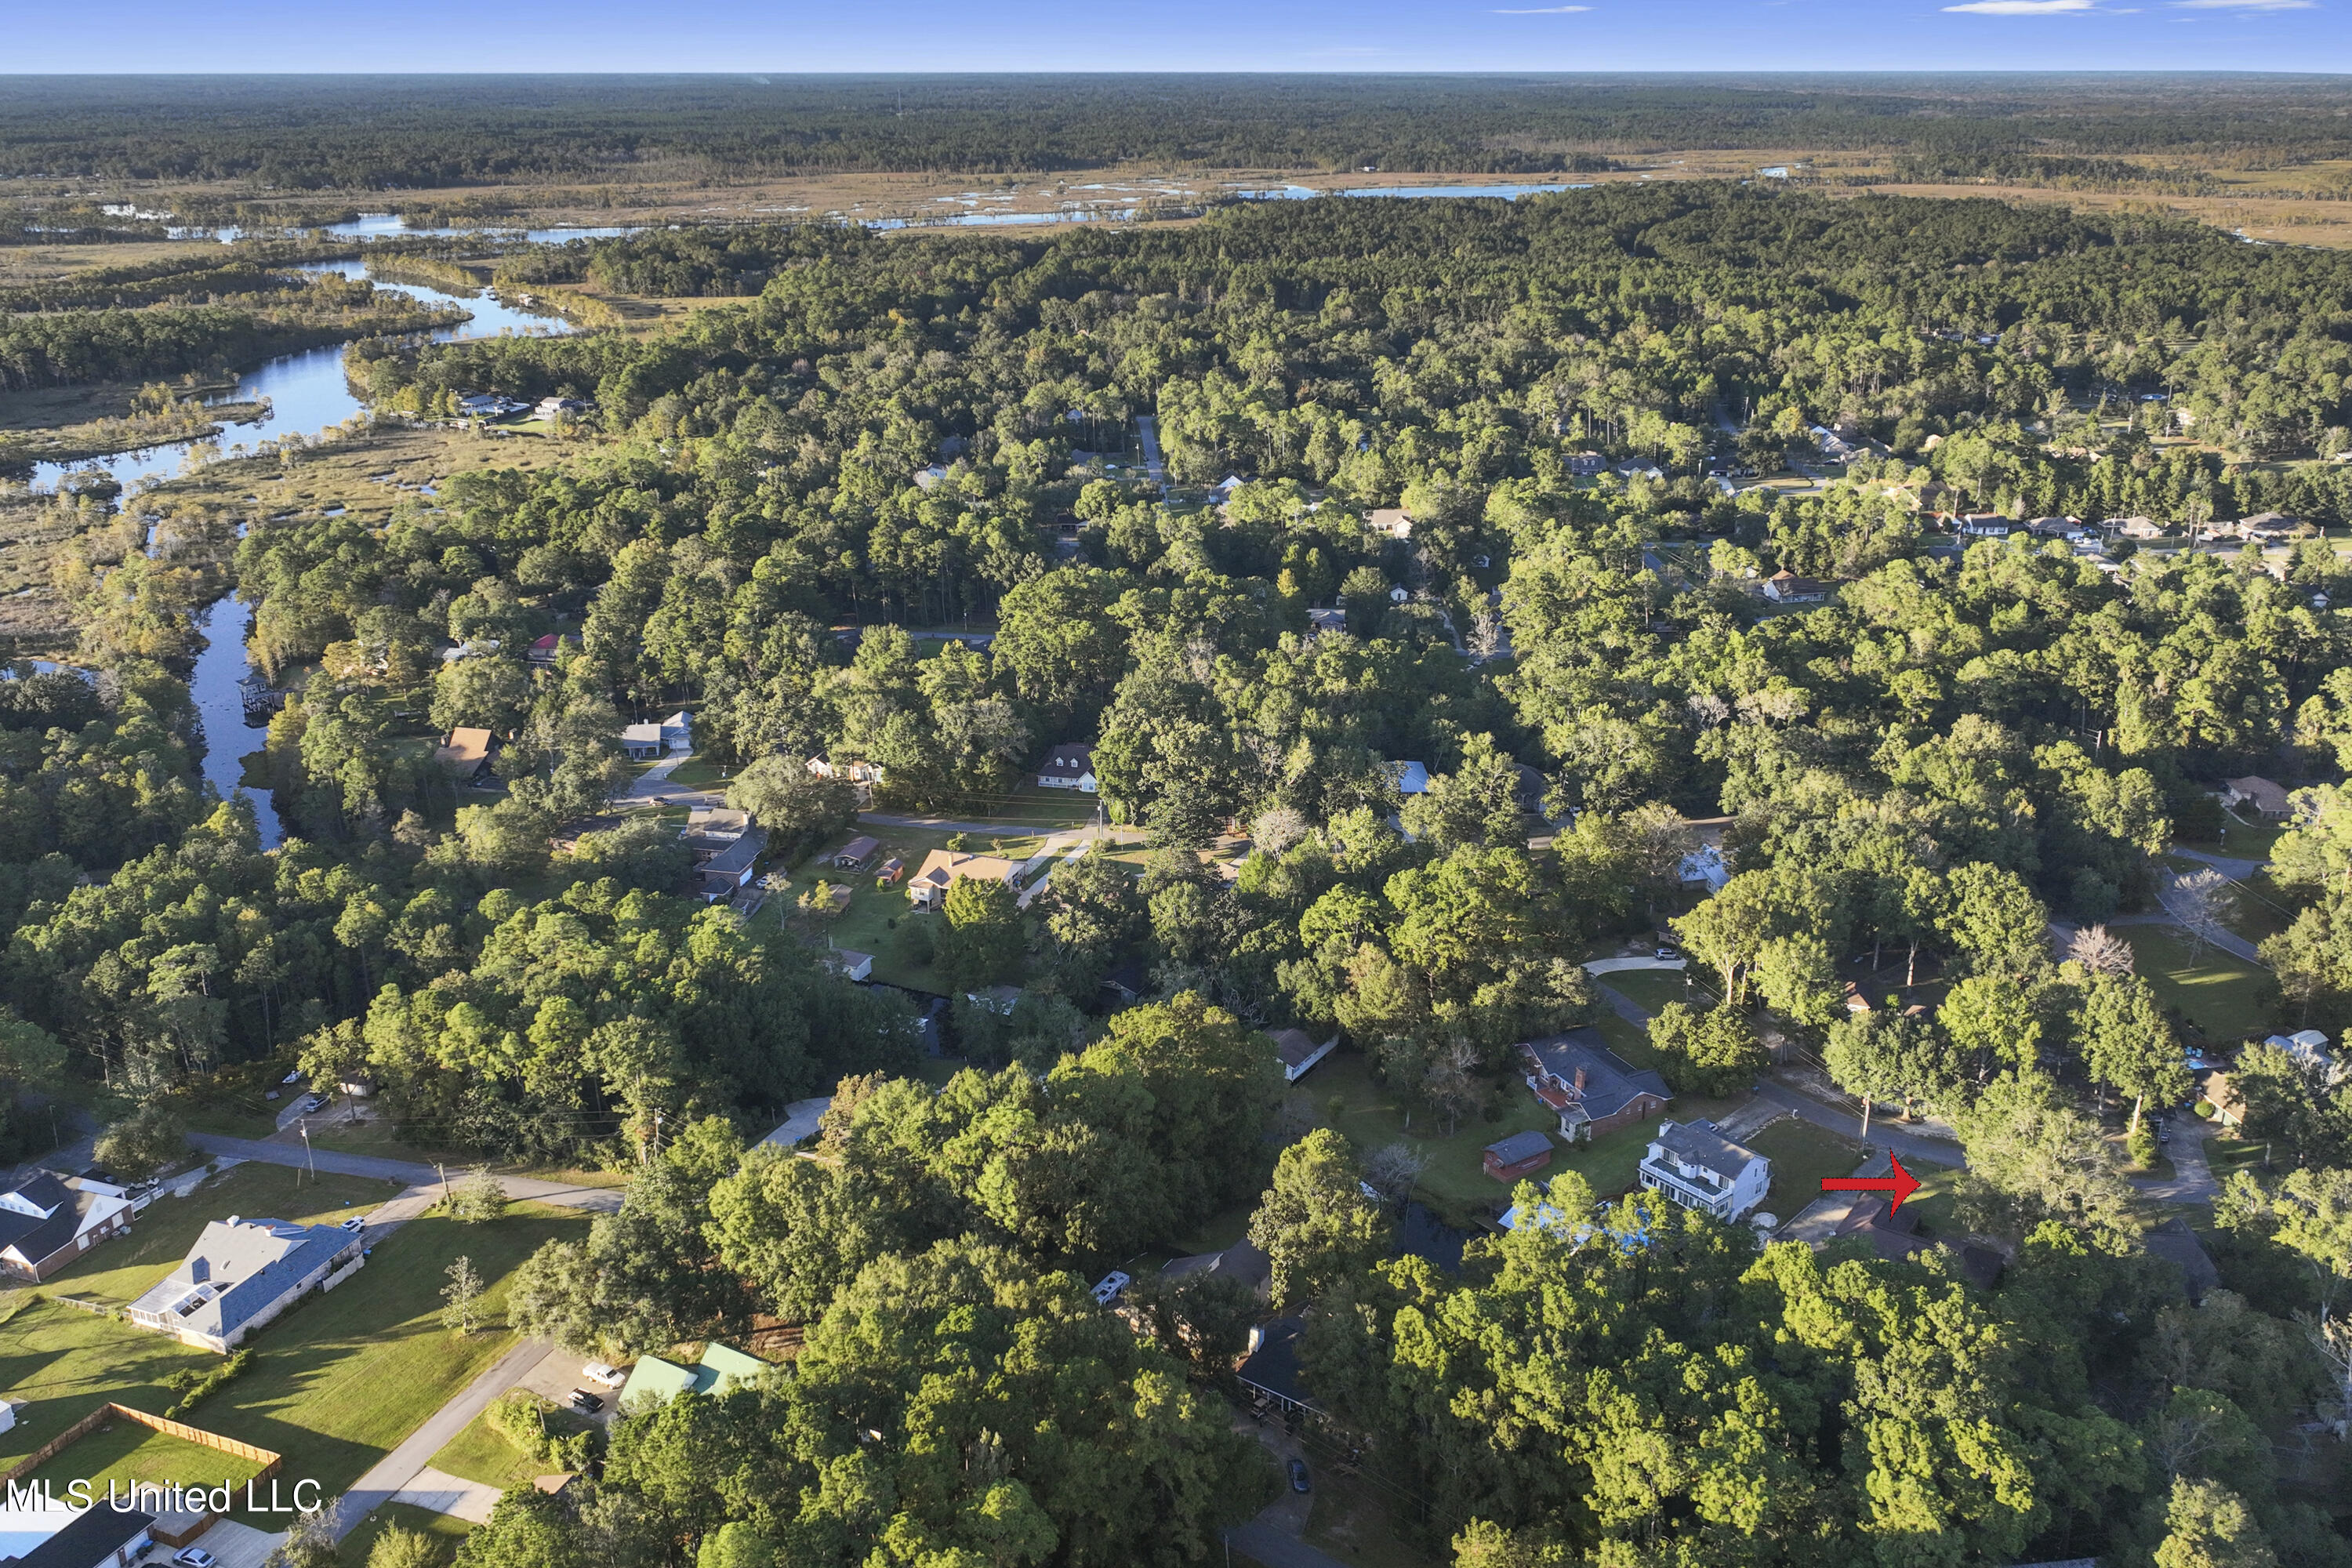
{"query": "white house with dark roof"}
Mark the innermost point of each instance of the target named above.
(48, 1220)
(1694, 1165)
(1070, 765)
(240, 1275)
(1299, 1051)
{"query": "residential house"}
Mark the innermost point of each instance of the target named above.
(850, 963)
(553, 407)
(1271, 1370)
(1692, 1164)
(2213, 1086)
(490, 406)
(1640, 468)
(889, 871)
(1411, 778)
(542, 651)
(2267, 799)
(1298, 1052)
(1330, 620)
(678, 732)
(2308, 1049)
(1893, 1235)
(1785, 587)
(1389, 522)
(1223, 488)
(2053, 527)
(1984, 525)
(2269, 528)
(467, 754)
(657, 1382)
(943, 867)
(930, 478)
(1586, 465)
(1244, 1261)
(2136, 528)
(1520, 1154)
(1530, 791)
(1070, 765)
(1128, 979)
(240, 1275)
(1594, 1091)
(726, 847)
(642, 742)
(1704, 868)
(861, 776)
(853, 854)
(1832, 446)
(2175, 1242)
(43, 1531)
(47, 1220)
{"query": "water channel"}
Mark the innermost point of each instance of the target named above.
(306, 393)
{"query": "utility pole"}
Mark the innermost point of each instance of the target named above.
(308, 1158)
(444, 1179)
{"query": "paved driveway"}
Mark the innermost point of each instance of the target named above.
(2191, 1181)
(564, 1194)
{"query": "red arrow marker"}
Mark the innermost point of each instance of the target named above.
(1901, 1183)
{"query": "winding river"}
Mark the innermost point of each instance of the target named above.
(306, 393)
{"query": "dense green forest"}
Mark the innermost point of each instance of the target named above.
(426, 133)
(1963, 741)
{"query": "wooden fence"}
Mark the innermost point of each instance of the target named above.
(268, 1461)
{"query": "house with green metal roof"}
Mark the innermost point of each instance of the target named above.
(720, 1368)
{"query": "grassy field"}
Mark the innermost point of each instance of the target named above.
(444, 1530)
(2213, 990)
(126, 1452)
(1650, 989)
(1802, 1154)
(2228, 1156)
(64, 1364)
(2246, 840)
(336, 1383)
(124, 1268)
(479, 1454)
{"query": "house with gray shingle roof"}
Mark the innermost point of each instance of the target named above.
(240, 1275)
(1593, 1089)
(1694, 1165)
(48, 1220)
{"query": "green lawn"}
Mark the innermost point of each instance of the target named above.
(1802, 1154)
(445, 1530)
(127, 1452)
(1936, 1201)
(124, 1270)
(2228, 1155)
(480, 1453)
(2214, 991)
(65, 1363)
(2246, 841)
(1649, 989)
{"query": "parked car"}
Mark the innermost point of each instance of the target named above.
(294, 1077)
(1108, 1288)
(2164, 1131)
(315, 1102)
(585, 1403)
(355, 1223)
(1299, 1475)
(195, 1557)
(610, 1376)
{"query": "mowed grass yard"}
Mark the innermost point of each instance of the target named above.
(481, 1453)
(125, 1269)
(127, 1453)
(2223, 997)
(336, 1383)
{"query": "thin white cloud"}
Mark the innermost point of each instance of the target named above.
(2244, 5)
(2022, 7)
(1544, 11)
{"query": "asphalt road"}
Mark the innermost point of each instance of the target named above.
(565, 1195)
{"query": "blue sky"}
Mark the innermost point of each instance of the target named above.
(137, 35)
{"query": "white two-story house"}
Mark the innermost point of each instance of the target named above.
(1694, 1165)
